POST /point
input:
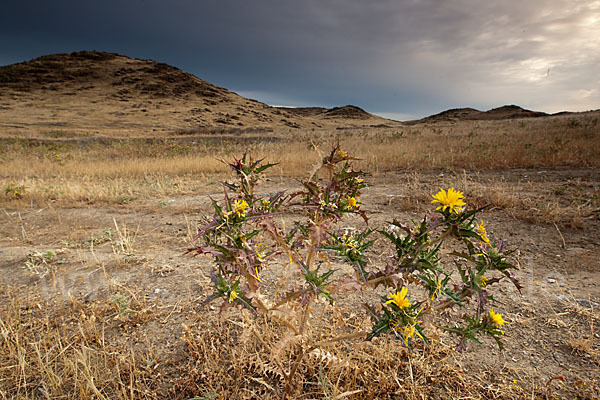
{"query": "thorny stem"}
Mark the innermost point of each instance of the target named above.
(377, 280)
(305, 318)
(261, 304)
(287, 299)
(450, 302)
(286, 323)
(313, 244)
(281, 242)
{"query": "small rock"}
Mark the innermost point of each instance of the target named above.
(586, 303)
(562, 297)
(551, 280)
(158, 292)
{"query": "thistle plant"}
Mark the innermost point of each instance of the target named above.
(245, 238)
(14, 191)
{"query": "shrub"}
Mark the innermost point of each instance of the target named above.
(244, 237)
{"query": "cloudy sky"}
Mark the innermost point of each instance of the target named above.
(402, 59)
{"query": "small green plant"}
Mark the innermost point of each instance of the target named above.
(42, 263)
(106, 236)
(122, 304)
(14, 191)
(125, 199)
(245, 238)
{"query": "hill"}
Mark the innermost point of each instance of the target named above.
(98, 92)
(471, 114)
(348, 112)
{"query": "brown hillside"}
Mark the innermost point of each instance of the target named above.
(471, 114)
(93, 92)
(351, 112)
(345, 112)
(511, 112)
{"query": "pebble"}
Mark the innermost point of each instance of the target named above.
(551, 280)
(586, 303)
(158, 292)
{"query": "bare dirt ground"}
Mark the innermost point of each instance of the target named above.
(137, 250)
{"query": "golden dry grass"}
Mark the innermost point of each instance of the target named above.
(52, 348)
(115, 170)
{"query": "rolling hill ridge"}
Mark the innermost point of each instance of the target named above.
(95, 91)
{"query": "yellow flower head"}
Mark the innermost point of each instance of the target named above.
(240, 207)
(232, 296)
(497, 318)
(399, 298)
(452, 199)
(409, 332)
(352, 202)
(484, 280)
(483, 233)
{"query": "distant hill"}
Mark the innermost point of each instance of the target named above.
(466, 114)
(101, 92)
(345, 112)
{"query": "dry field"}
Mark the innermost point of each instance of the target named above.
(99, 301)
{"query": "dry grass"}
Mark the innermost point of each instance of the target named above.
(116, 170)
(51, 348)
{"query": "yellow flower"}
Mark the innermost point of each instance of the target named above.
(256, 274)
(483, 280)
(437, 291)
(232, 295)
(240, 207)
(409, 332)
(352, 202)
(399, 298)
(342, 153)
(483, 233)
(453, 199)
(497, 318)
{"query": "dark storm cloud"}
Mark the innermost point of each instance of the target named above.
(396, 57)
